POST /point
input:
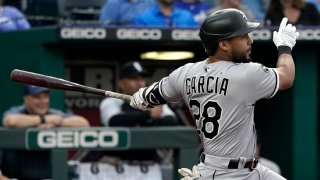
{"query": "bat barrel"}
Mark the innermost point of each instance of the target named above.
(57, 83)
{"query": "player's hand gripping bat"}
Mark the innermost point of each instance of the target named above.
(57, 83)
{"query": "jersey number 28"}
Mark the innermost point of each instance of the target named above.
(202, 126)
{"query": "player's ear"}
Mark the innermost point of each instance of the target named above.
(223, 45)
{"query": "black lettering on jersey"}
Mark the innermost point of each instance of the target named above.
(193, 85)
(188, 81)
(209, 89)
(200, 84)
(210, 84)
(216, 85)
(224, 86)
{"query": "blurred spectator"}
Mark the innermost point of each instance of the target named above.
(298, 12)
(198, 8)
(212, 2)
(258, 8)
(42, 12)
(118, 113)
(122, 12)
(165, 14)
(2, 177)
(12, 19)
(315, 2)
(264, 161)
(237, 4)
(35, 112)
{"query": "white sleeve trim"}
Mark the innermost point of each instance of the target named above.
(160, 90)
(277, 83)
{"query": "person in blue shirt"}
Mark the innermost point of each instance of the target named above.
(34, 113)
(12, 19)
(198, 8)
(122, 12)
(165, 15)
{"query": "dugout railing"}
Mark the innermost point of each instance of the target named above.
(60, 140)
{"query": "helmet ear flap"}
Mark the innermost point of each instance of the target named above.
(210, 45)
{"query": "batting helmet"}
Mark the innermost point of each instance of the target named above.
(223, 24)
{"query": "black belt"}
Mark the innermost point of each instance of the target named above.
(234, 163)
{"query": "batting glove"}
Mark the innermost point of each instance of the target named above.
(138, 102)
(286, 35)
(187, 174)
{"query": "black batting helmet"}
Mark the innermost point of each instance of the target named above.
(223, 24)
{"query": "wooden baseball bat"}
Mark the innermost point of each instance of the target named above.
(57, 83)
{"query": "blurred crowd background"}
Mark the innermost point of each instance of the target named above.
(156, 13)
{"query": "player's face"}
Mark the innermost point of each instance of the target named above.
(37, 104)
(240, 50)
(131, 85)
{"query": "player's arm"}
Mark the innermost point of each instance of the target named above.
(151, 96)
(286, 71)
(148, 97)
(21, 120)
(285, 40)
(167, 89)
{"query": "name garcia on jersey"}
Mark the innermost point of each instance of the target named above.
(209, 84)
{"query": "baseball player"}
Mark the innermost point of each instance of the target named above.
(221, 92)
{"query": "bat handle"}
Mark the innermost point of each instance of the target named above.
(125, 97)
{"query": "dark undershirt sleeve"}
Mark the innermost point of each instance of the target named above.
(131, 119)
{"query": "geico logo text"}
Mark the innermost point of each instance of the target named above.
(83, 33)
(144, 34)
(74, 139)
(185, 34)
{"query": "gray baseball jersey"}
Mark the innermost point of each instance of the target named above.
(221, 96)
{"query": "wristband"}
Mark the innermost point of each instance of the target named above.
(284, 50)
(42, 118)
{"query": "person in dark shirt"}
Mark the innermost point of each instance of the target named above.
(118, 113)
(298, 12)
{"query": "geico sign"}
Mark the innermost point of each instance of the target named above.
(305, 34)
(144, 34)
(83, 33)
(262, 34)
(309, 34)
(180, 34)
(74, 139)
